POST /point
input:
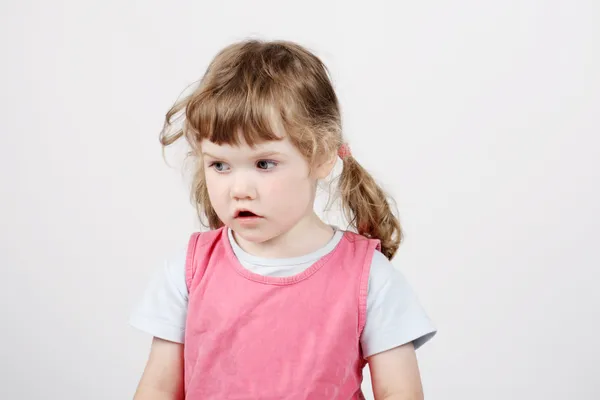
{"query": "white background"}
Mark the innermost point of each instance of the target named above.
(481, 117)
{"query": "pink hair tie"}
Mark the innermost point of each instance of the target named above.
(344, 151)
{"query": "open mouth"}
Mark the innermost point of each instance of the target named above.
(246, 214)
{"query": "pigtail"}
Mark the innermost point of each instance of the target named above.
(367, 208)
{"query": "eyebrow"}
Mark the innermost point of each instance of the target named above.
(264, 154)
(210, 155)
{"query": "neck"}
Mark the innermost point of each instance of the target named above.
(308, 235)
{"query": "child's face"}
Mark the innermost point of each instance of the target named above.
(272, 181)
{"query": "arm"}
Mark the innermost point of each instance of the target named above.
(163, 376)
(395, 374)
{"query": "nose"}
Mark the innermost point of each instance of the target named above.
(243, 188)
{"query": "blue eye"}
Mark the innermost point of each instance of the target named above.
(266, 164)
(219, 166)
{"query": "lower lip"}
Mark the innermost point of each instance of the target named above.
(248, 220)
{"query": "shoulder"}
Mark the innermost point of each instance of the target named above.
(384, 276)
(174, 267)
(382, 271)
(394, 314)
(162, 310)
(172, 273)
(387, 283)
(204, 238)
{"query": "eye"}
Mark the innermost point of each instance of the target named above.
(219, 166)
(266, 164)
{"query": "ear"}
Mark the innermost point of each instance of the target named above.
(323, 169)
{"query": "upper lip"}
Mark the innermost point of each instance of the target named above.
(240, 210)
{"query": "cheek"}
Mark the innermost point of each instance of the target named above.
(286, 190)
(217, 190)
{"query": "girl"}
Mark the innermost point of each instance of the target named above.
(273, 303)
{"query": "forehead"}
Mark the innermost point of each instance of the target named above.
(243, 149)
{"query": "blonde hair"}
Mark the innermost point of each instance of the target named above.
(244, 87)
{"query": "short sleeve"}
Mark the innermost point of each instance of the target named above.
(162, 310)
(394, 314)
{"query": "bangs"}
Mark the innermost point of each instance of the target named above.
(232, 113)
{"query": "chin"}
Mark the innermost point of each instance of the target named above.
(260, 234)
(251, 235)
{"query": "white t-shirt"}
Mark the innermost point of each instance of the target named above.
(394, 315)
